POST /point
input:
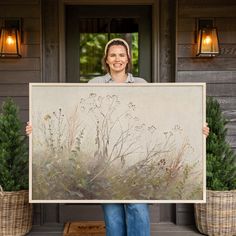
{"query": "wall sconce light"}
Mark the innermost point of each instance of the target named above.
(207, 39)
(10, 39)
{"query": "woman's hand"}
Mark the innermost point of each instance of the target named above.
(206, 130)
(28, 128)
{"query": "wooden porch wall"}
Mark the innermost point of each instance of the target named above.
(15, 74)
(220, 72)
(40, 50)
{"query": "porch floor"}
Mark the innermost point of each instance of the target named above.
(161, 229)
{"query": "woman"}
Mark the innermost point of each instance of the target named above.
(122, 219)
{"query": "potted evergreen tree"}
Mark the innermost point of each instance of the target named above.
(15, 210)
(218, 215)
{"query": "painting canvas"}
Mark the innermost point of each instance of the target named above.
(117, 143)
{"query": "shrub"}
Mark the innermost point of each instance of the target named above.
(221, 160)
(13, 149)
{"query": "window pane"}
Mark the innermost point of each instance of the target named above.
(91, 52)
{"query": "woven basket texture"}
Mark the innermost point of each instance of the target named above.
(218, 216)
(15, 213)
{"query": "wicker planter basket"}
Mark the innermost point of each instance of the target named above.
(218, 216)
(15, 213)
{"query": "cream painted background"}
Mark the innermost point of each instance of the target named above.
(161, 105)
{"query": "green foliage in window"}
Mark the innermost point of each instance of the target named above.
(135, 53)
(91, 53)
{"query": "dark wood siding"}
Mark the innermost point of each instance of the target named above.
(220, 72)
(15, 74)
(50, 41)
(167, 41)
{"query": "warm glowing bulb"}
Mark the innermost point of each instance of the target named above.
(10, 40)
(207, 40)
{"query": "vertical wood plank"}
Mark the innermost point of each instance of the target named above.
(72, 46)
(50, 213)
(219, 73)
(155, 213)
(184, 214)
(167, 213)
(50, 40)
(167, 40)
(36, 214)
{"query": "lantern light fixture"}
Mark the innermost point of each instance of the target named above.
(207, 38)
(10, 39)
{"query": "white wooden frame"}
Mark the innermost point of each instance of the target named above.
(185, 96)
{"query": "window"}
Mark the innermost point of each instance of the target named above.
(89, 28)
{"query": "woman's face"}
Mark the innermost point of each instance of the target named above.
(117, 58)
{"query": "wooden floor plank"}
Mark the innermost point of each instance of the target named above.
(161, 229)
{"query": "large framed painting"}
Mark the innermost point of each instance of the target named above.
(117, 143)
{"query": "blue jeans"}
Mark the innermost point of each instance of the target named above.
(126, 219)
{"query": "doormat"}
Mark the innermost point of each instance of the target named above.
(84, 228)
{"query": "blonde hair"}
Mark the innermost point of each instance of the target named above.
(116, 41)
